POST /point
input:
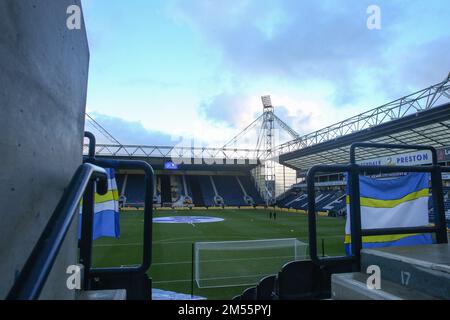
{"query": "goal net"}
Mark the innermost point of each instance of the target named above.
(239, 263)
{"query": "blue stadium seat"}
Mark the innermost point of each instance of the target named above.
(135, 190)
(265, 288)
(207, 190)
(193, 184)
(249, 294)
(229, 189)
(251, 190)
(332, 201)
(295, 281)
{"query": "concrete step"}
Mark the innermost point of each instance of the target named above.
(424, 268)
(119, 294)
(352, 286)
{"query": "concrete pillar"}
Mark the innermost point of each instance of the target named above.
(43, 83)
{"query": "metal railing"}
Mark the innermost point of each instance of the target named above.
(115, 275)
(90, 178)
(34, 274)
(354, 171)
(88, 212)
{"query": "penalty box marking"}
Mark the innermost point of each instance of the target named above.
(171, 241)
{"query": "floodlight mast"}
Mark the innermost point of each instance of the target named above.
(269, 142)
(264, 125)
(265, 146)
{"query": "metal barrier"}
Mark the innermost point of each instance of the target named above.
(354, 170)
(117, 277)
(34, 274)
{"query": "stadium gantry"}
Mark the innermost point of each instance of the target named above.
(422, 117)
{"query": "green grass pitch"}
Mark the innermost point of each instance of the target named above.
(172, 243)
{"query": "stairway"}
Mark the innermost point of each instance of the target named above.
(407, 273)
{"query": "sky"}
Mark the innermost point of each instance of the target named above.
(179, 72)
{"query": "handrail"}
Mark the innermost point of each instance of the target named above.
(312, 226)
(354, 170)
(92, 143)
(34, 274)
(86, 242)
(436, 184)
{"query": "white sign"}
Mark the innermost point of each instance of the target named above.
(405, 159)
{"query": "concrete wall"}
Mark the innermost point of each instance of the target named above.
(43, 82)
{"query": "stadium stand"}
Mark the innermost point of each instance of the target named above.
(251, 190)
(229, 189)
(415, 272)
(166, 193)
(188, 185)
(134, 191)
(334, 202)
(207, 190)
(197, 195)
(120, 179)
(199, 187)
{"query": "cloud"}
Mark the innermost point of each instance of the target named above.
(298, 120)
(303, 40)
(237, 111)
(429, 64)
(325, 41)
(316, 58)
(128, 132)
(227, 108)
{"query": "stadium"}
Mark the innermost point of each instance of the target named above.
(268, 200)
(311, 218)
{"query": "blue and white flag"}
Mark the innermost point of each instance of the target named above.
(392, 203)
(106, 211)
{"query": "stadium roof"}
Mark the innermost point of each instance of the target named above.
(420, 118)
(176, 153)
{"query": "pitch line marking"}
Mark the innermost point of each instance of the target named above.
(219, 260)
(218, 278)
(174, 241)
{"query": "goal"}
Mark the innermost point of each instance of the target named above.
(239, 263)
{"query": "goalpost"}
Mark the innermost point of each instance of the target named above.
(239, 263)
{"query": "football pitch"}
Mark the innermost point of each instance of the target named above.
(172, 243)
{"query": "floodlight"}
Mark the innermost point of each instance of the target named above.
(267, 102)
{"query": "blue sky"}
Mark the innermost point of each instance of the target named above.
(161, 71)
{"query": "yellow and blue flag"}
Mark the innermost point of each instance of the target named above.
(391, 203)
(106, 211)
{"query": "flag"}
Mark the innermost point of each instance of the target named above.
(106, 211)
(391, 203)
